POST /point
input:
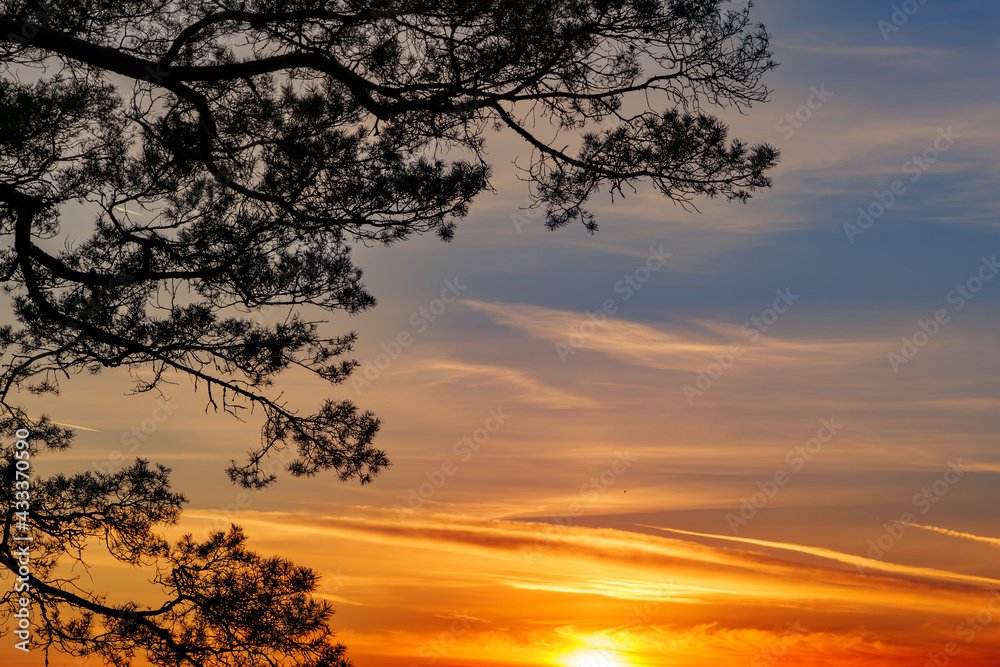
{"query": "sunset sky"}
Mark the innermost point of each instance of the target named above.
(747, 435)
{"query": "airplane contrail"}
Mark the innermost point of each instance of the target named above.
(82, 428)
(858, 561)
(119, 208)
(954, 533)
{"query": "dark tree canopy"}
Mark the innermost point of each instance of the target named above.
(170, 168)
(229, 153)
(219, 605)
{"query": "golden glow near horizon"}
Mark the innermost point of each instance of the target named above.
(596, 657)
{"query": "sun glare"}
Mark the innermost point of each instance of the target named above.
(593, 658)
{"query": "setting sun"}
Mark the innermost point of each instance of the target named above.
(593, 657)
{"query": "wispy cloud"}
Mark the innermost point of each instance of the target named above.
(525, 387)
(680, 345)
(862, 51)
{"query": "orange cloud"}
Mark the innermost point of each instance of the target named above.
(459, 588)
